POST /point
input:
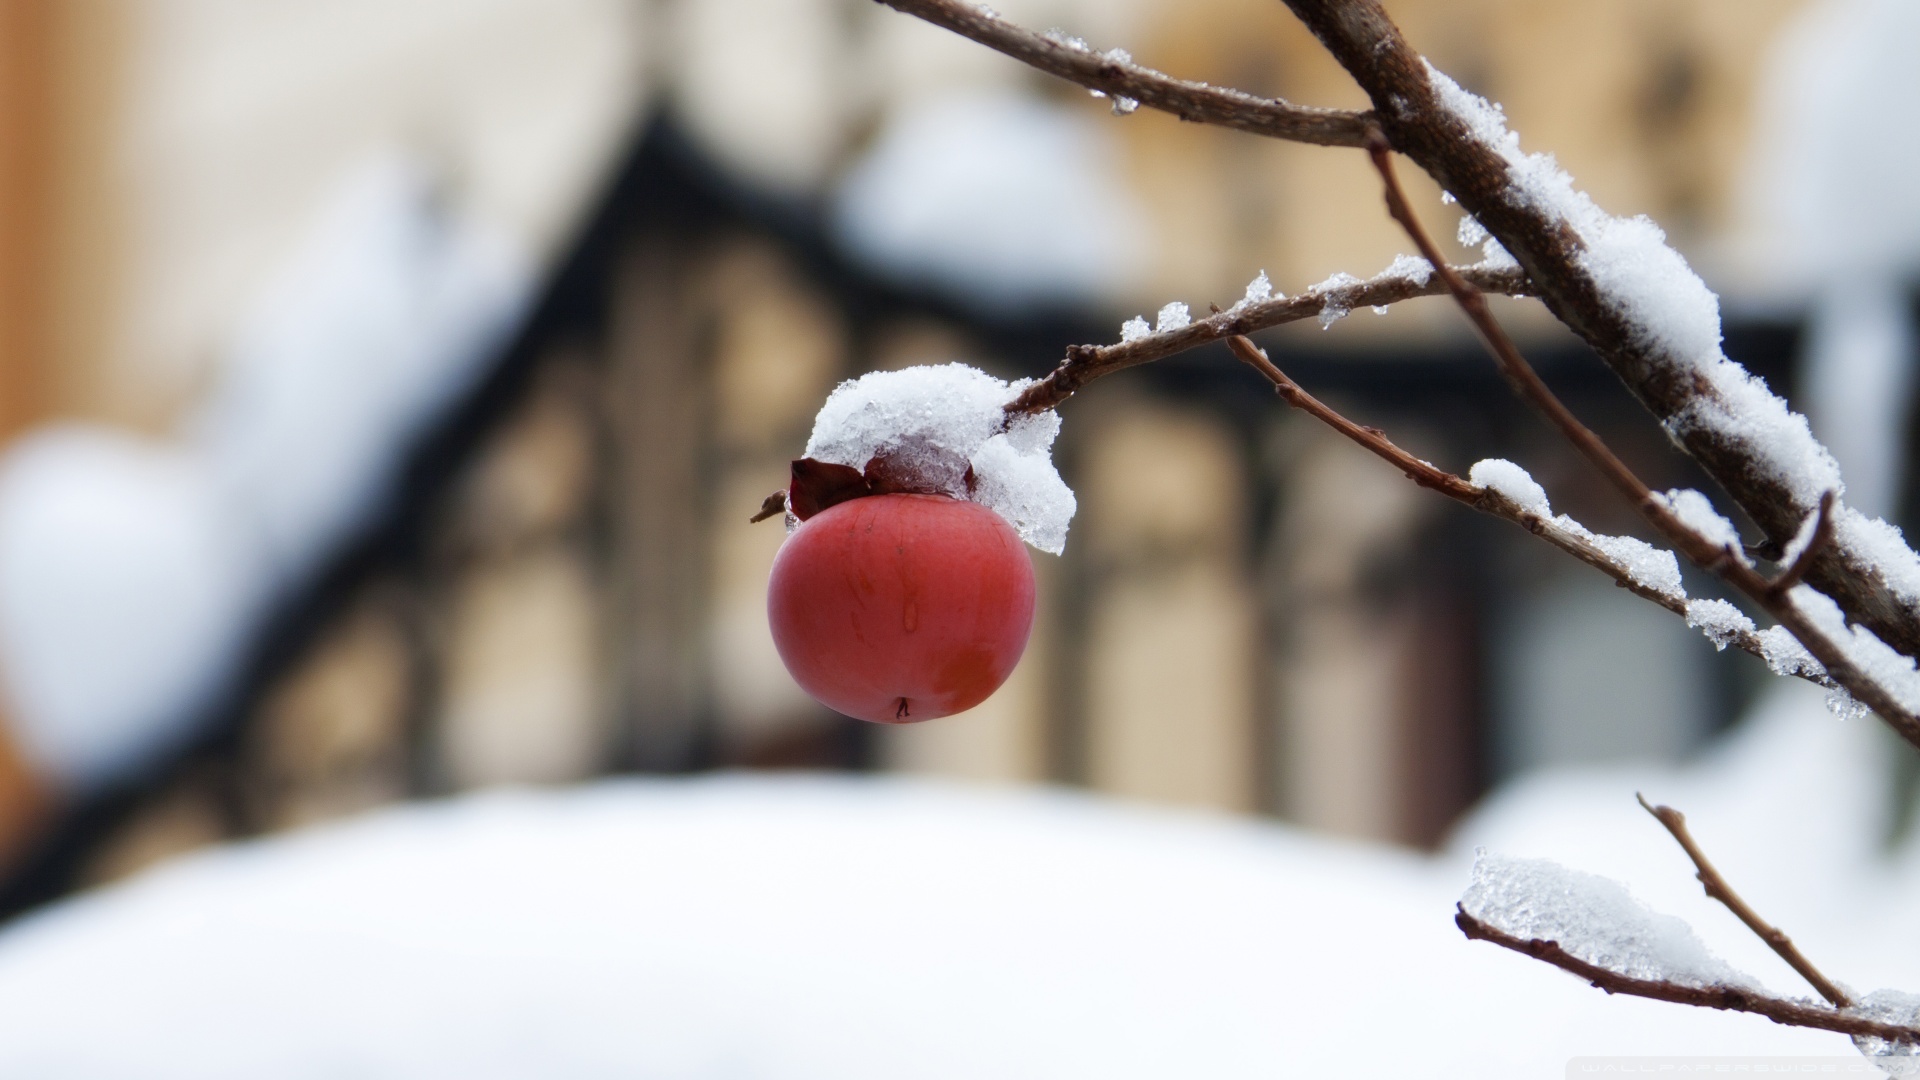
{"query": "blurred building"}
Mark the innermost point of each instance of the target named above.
(726, 206)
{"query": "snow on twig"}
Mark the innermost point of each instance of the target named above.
(1405, 279)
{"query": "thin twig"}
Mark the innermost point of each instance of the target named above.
(1718, 889)
(771, 506)
(1731, 998)
(1568, 537)
(1423, 473)
(1505, 353)
(1822, 536)
(1085, 363)
(1726, 561)
(1116, 76)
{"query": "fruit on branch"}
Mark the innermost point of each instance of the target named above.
(901, 607)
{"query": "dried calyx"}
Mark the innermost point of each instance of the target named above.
(939, 431)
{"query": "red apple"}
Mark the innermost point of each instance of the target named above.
(896, 608)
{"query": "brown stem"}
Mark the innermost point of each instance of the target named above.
(1485, 500)
(1727, 562)
(1372, 439)
(1085, 363)
(1111, 75)
(1732, 998)
(1718, 889)
(771, 506)
(1822, 536)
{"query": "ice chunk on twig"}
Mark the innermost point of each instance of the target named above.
(1134, 329)
(1172, 317)
(1259, 291)
(1889, 1007)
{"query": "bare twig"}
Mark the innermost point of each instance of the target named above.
(771, 506)
(1728, 562)
(1084, 363)
(1115, 75)
(1423, 473)
(1571, 540)
(1732, 998)
(1718, 889)
(1822, 536)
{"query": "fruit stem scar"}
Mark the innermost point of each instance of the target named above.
(901, 712)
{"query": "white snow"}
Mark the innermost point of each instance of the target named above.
(1719, 620)
(1008, 201)
(1593, 919)
(1410, 268)
(1503, 476)
(1172, 317)
(806, 928)
(132, 572)
(1785, 655)
(1259, 291)
(1899, 1059)
(1696, 512)
(1336, 303)
(1675, 316)
(1648, 566)
(936, 424)
(1134, 329)
(1886, 668)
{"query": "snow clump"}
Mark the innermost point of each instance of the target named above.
(1592, 918)
(1648, 566)
(1512, 481)
(1259, 291)
(1696, 512)
(947, 428)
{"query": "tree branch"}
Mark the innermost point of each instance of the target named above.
(1575, 541)
(1728, 562)
(1085, 363)
(1673, 387)
(1718, 889)
(1822, 536)
(1734, 999)
(1117, 76)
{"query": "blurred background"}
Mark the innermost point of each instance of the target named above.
(387, 385)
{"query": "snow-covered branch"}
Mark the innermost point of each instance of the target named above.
(1595, 929)
(1260, 309)
(1789, 1011)
(1618, 285)
(1875, 675)
(1504, 490)
(1114, 74)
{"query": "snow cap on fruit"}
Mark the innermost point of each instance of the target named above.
(940, 430)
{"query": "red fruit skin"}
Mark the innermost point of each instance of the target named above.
(898, 608)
